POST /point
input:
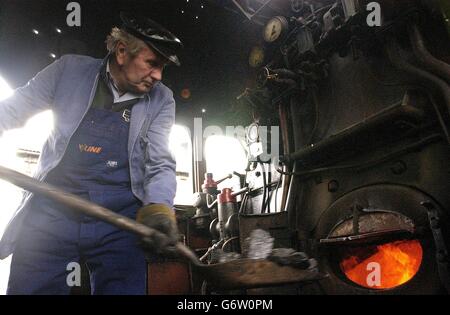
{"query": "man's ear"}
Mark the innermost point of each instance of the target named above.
(121, 54)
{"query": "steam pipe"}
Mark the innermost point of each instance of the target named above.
(222, 179)
(286, 148)
(263, 203)
(332, 148)
(429, 80)
(282, 76)
(316, 118)
(210, 205)
(240, 192)
(436, 66)
(285, 76)
(285, 73)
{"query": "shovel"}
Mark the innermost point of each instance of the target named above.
(242, 273)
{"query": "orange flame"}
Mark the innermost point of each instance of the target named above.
(383, 266)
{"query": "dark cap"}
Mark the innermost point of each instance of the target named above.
(154, 35)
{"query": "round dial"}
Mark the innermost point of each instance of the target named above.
(253, 133)
(275, 28)
(256, 57)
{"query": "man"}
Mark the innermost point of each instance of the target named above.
(109, 145)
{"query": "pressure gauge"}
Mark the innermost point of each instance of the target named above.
(275, 28)
(253, 133)
(255, 147)
(256, 57)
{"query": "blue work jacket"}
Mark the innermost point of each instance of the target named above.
(67, 87)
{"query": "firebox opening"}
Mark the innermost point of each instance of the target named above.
(381, 266)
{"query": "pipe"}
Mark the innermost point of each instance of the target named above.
(441, 119)
(291, 199)
(243, 204)
(357, 167)
(429, 80)
(276, 191)
(280, 76)
(263, 203)
(240, 191)
(214, 246)
(228, 241)
(222, 179)
(434, 65)
(286, 148)
(316, 114)
(210, 205)
(354, 137)
(285, 74)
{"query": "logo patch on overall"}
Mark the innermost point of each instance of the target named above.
(89, 148)
(111, 163)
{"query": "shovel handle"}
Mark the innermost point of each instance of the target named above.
(89, 208)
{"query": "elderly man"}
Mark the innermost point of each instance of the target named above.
(109, 145)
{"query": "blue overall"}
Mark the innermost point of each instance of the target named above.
(95, 167)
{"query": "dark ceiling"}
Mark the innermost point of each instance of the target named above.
(214, 62)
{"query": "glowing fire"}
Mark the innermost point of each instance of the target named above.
(383, 266)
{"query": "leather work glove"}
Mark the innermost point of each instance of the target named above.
(161, 218)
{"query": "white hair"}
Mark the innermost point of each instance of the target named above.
(132, 43)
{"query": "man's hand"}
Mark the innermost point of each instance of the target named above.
(162, 218)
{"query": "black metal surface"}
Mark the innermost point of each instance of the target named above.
(368, 238)
(442, 257)
(275, 223)
(381, 127)
(421, 52)
(435, 85)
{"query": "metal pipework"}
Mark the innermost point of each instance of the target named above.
(282, 76)
(436, 66)
(332, 148)
(429, 80)
(222, 179)
(227, 214)
(240, 192)
(203, 201)
(237, 193)
(226, 224)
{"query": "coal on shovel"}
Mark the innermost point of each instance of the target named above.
(241, 273)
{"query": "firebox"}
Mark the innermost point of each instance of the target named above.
(378, 239)
(383, 265)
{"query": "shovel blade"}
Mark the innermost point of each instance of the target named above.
(252, 273)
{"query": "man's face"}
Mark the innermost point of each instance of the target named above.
(138, 74)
